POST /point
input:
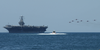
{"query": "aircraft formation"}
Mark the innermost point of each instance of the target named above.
(78, 21)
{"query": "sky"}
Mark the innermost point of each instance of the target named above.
(55, 14)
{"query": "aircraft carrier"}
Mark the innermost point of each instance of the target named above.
(25, 28)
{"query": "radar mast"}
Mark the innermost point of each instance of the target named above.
(21, 22)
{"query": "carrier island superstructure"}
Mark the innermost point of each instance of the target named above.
(25, 28)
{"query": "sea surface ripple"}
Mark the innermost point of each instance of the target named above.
(31, 41)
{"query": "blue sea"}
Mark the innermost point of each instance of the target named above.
(46, 41)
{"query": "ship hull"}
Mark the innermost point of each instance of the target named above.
(26, 29)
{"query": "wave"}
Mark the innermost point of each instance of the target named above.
(51, 34)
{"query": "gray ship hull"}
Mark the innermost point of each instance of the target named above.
(26, 29)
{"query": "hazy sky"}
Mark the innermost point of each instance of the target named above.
(55, 14)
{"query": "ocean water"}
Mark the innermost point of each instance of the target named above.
(46, 41)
